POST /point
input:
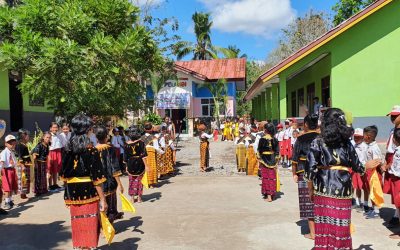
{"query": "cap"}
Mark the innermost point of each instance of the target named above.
(279, 126)
(395, 110)
(358, 132)
(10, 138)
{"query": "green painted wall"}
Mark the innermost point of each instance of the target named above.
(35, 108)
(282, 96)
(366, 65)
(4, 97)
(313, 74)
(268, 103)
(275, 101)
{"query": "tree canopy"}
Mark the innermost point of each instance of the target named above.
(344, 9)
(88, 56)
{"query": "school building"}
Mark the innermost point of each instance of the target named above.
(186, 101)
(355, 67)
(21, 111)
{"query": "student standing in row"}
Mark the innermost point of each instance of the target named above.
(299, 165)
(40, 154)
(358, 182)
(25, 163)
(204, 148)
(55, 156)
(8, 163)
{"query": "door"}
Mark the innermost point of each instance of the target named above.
(326, 95)
(16, 102)
(294, 104)
(178, 118)
(310, 97)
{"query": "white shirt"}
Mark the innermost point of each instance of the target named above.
(395, 167)
(117, 142)
(287, 134)
(390, 147)
(6, 159)
(280, 135)
(361, 150)
(205, 135)
(65, 138)
(245, 142)
(255, 145)
(155, 145)
(57, 142)
(374, 152)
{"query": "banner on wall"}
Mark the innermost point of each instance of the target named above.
(173, 98)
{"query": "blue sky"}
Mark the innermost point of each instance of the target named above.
(252, 25)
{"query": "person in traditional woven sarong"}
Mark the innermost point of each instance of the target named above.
(160, 132)
(83, 175)
(228, 130)
(112, 171)
(40, 154)
(152, 148)
(329, 162)
(251, 157)
(241, 146)
(25, 163)
(169, 161)
(299, 161)
(136, 163)
(204, 147)
(268, 155)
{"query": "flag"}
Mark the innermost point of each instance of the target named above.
(376, 193)
(108, 229)
(126, 204)
(145, 181)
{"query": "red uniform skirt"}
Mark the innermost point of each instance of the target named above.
(9, 180)
(54, 161)
(395, 188)
(332, 223)
(85, 225)
(215, 134)
(358, 182)
(282, 150)
(268, 181)
(387, 185)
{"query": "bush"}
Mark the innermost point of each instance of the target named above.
(153, 118)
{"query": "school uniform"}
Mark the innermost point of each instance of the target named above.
(361, 150)
(9, 180)
(54, 161)
(395, 172)
(279, 136)
(287, 142)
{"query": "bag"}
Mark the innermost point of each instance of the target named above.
(108, 229)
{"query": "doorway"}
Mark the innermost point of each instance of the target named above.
(326, 94)
(310, 97)
(178, 117)
(16, 101)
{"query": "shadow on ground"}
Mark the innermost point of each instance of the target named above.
(33, 236)
(151, 197)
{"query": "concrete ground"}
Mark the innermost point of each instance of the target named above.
(191, 211)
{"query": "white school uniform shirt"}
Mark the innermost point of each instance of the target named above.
(155, 145)
(222, 126)
(280, 135)
(255, 145)
(395, 167)
(6, 158)
(390, 147)
(117, 142)
(205, 135)
(65, 138)
(287, 133)
(374, 152)
(361, 150)
(57, 142)
(162, 141)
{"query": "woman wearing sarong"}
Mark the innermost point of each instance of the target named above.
(251, 157)
(204, 148)
(330, 160)
(112, 171)
(268, 154)
(40, 154)
(83, 175)
(25, 163)
(241, 148)
(152, 149)
(169, 149)
(136, 159)
(301, 150)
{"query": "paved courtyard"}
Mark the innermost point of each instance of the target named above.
(217, 210)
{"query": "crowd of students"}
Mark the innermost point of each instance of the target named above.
(88, 160)
(329, 160)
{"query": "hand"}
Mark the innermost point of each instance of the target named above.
(372, 164)
(103, 205)
(295, 178)
(121, 188)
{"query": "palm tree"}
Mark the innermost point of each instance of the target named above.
(231, 52)
(219, 92)
(157, 81)
(202, 49)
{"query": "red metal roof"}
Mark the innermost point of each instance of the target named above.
(229, 69)
(300, 54)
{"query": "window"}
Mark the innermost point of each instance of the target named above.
(208, 107)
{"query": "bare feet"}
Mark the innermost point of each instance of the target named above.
(309, 236)
(394, 236)
(269, 199)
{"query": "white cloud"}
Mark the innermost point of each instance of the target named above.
(255, 17)
(147, 2)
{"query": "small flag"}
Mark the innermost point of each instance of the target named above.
(126, 204)
(108, 229)
(145, 181)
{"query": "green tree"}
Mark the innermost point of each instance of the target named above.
(232, 51)
(158, 79)
(89, 56)
(219, 92)
(202, 49)
(344, 9)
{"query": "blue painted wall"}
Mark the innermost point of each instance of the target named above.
(205, 93)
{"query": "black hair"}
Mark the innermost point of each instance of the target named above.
(270, 128)
(101, 133)
(316, 98)
(163, 128)
(393, 118)
(54, 123)
(21, 133)
(80, 125)
(396, 135)
(133, 132)
(311, 121)
(148, 126)
(334, 129)
(373, 130)
(44, 134)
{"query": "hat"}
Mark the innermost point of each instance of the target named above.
(279, 126)
(358, 132)
(10, 138)
(395, 110)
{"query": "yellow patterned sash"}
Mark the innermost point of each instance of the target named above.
(79, 179)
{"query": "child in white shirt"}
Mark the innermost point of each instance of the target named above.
(8, 163)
